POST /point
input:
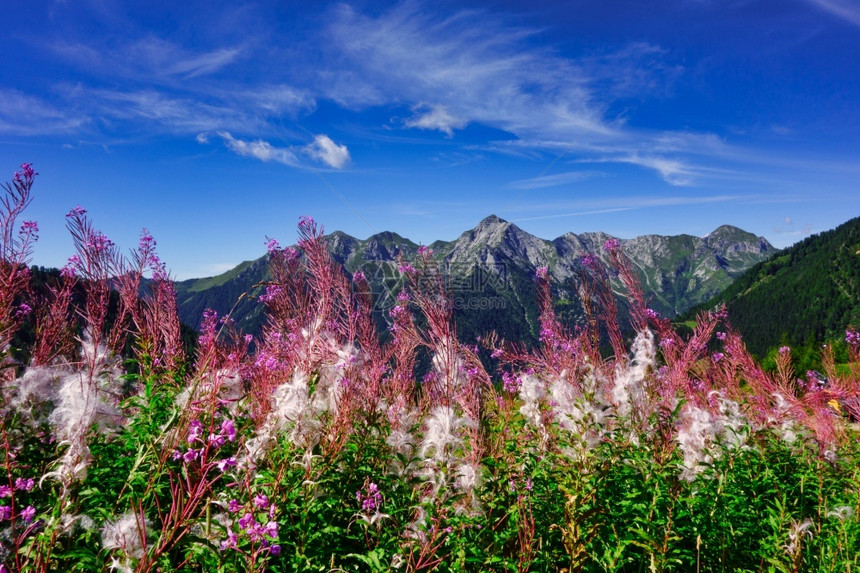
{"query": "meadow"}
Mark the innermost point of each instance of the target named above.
(329, 444)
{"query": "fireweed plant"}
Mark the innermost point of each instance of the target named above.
(322, 450)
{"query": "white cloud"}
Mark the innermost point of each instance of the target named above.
(262, 150)
(322, 149)
(150, 58)
(470, 65)
(202, 138)
(554, 180)
(673, 171)
(329, 152)
(848, 10)
(24, 114)
(435, 117)
(595, 207)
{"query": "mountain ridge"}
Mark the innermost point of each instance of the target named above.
(497, 260)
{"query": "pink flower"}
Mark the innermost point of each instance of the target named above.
(611, 245)
(194, 431)
(228, 428)
(25, 175)
(542, 273)
(28, 514)
(224, 464)
(77, 212)
(29, 228)
(261, 501)
(24, 484)
(230, 542)
(233, 506)
(271, 529)
(5, 491)
(272, 245)
(247, 522)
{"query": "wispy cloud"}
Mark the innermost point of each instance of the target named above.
(848, 10)
(595, 207)
(469, 67)
(435, 117)
(673, 171)
(555, 180)
(24, 114)
(262, 150)
(150, 58)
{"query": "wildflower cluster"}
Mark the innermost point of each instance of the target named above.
(323, 444)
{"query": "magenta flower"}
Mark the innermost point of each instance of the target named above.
(5, 491)
(195, 429)
(228, 463)
(590, 261)
(272, 245)
(77, 212)
(369, 497)
(510, 383)
(29, 228)
(652, 314)
(611, 245)
(228, 428)
(24, 484)
(233, 506)
(190, 456)
(358, 276)
(28, 514)
(230, 542)
(784, 349)
(261, 501)
(247, 522)
(5, 512)
(271, 529)
(542, 273)
(275, 550)
(25, 176)
(718, 356)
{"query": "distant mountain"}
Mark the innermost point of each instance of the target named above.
(804, 295)
(491, 269)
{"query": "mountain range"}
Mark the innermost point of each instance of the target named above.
(490, 272)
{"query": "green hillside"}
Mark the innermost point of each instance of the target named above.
(806, 294)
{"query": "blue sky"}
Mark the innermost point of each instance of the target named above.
(216, 127)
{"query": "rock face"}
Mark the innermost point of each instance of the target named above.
(498, 259)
